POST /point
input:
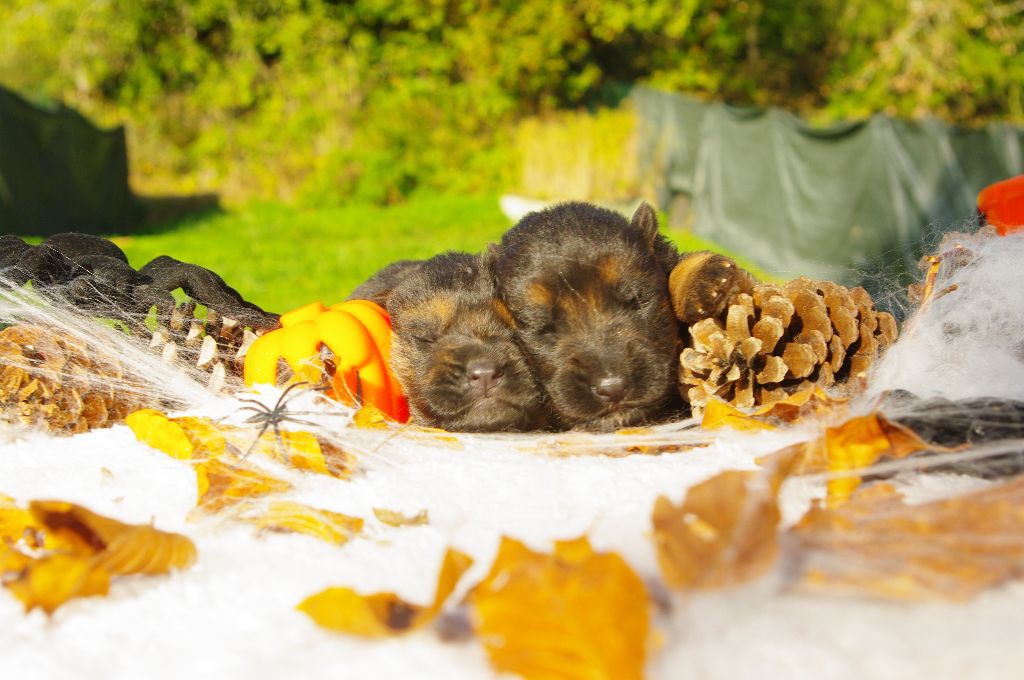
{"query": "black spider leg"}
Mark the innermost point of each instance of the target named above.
(164, 274)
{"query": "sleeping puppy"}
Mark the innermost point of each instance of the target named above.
(588, 291)
(453, 349)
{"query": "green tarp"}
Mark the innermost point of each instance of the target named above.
(847, 202)
(58, 172)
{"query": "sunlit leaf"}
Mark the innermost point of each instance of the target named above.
(876, 544)
(808, 402)
(723, 533)
(207, 437)
(117, 547)
(718, 414)
(854, 445)
(573, 613)
(157, 430)
(369, 417)
(292, 517)
(221, 484)
(397, 519)
(383, 614)
(81, 553)
(51, 581)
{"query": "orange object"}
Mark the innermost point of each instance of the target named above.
(1002, 204)
(358, 332)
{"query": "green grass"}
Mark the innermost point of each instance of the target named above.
(282, 257)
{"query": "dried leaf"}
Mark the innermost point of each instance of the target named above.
(810, 401)
(369, 417)
(14, 521)
(157, 430)
(719, 414)
(292, 517)
(396, 519)
(570, 614)
(875, 544)
(51, 581)
(221, 484)
(118, 548)
(300, 450)
(383, 614)
(84, 550)
(856, 444)
(722, 534)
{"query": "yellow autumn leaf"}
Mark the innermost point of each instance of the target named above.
(89, 550)
(569, 614)
(719, 414)
(369, 417)
(117, 547)
(876, 544)
(856, 444)
(207, 437)
(221, 484)
(14, 521)
(383, 614)
(298, 449)
(723, 533)
(396, 519)
(157, 430)
(51, 581)
(292, 517)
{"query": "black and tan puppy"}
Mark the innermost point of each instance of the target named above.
(589, 294)
(454, 350)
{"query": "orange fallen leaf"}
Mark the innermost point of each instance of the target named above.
(83, 550)
(809, 401)
(221, 484)
(719, 414)
(292, 517)
(875, 544)
(370, 417)
(397, 519)
(14, 521)
(570, 614)
(118, 548)
(195, 438)
(51, 581)
(157, 430)
(854, 445)
(723, 533)
(383, 614)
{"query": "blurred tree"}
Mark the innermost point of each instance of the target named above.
(331, 100)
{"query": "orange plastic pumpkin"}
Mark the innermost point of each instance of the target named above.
(1002, 204)
(358, 332)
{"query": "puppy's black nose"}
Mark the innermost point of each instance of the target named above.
(483, 375)
(610, 388)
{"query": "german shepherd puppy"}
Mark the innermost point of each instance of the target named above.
(454, 349)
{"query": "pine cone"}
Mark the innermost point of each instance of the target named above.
(52, 381)
(776, 341)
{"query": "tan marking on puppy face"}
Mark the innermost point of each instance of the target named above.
(439, 309)
(501, 310)
(539, 294)
(609, 269)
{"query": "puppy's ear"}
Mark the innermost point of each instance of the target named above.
(489, 260)
(646, 221)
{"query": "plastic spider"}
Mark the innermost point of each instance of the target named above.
(267, 416)
(93, 273)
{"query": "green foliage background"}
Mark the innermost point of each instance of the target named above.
(331, 101)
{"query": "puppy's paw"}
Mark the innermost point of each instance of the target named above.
(702, 284)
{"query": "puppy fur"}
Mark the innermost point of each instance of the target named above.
(588, 291)
(454, 350)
